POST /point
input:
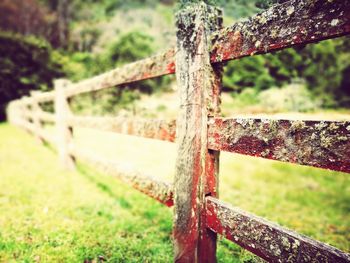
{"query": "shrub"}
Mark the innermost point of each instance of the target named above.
(294, 97)
(26, 64)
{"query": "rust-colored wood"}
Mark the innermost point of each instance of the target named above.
(64, 132)
(144, 69)
(267, 240)
(161, 191)
(196, 169)
(324, 144)
(148, 128)
(289, 24)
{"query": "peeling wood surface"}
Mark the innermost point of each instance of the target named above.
(144, 69)
(155, 129)
(285, 25)
(324, 144)
(199, 97)
(268, 240)
(148, 185)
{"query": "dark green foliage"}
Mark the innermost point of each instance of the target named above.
(324, 67)
(130, 47)
(26, 64)
(248, 72)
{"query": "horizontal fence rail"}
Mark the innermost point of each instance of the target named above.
(150, 186)
(154, 129)
(292, 23)
(156, 66)
(267, 240)
(46, 116)
(43, 134)
(323, 144)
(200, 132)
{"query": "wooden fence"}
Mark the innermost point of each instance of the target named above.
(200, 132)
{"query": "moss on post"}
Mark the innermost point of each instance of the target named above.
(196, 167)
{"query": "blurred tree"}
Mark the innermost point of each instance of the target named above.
(130, 47)
(63, 22)
(323, 66)
(248, 72)
(26, 64)
(29, 18)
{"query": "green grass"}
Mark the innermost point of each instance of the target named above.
(49, 215)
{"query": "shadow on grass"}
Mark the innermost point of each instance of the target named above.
(103, 186)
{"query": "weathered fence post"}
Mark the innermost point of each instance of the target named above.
(64, 132)
(196, 167)
(36, 118)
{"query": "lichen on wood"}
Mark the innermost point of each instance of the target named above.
(284, 25)
(323, 144)
(268, 240)
(155, 66)
(196, 168)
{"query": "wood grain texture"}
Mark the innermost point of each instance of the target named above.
(199, 97)
(268, 240)
(324, 144)
(285, 25)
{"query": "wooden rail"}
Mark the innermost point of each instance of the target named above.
(265, 239)
(149, 185)
(200, 132)
(154, 129)
(323, 144)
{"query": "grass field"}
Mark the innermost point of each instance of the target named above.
(49, 215)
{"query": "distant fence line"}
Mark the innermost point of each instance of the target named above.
(200, 132)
